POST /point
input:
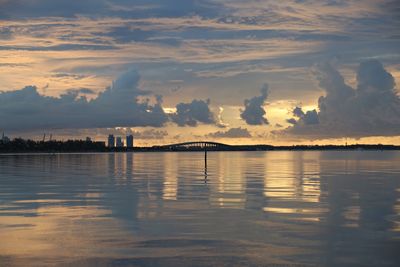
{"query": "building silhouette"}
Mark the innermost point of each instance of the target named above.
(119, 142)
(5, 139)
(111, 140)
(129, 141)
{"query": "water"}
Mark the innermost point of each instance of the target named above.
(327, 208)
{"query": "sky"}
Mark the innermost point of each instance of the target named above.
(166, 71)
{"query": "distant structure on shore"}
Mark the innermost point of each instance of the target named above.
(129, 141)
(5, 139)
(19, 145)
(118, 142)
(111, 141)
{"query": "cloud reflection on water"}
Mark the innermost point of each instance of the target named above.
(314, 208)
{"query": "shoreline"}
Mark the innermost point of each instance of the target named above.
(238, 148)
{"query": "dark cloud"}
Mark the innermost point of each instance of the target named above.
(162, 8)
(21, 9)
(298, 112)
(5, 33)
(231, 133)
(254, 112)
(17, 9)
(122, 104)
(85, 91)
(190, 114)
(117, 106)
(371, 109)
(69, 75)
(127, 33)
(13, 65)
(292, 121)
(130, 32)
(372, 76)
(208, 33)
(308, 118)
(61, 47)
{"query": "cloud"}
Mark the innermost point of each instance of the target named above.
(150, 134)
(117, 106)
(217, 48)
(370, 109)
(69, 75)
(107, 35)
(126, 34)
(298, 112)
(5, 33)
(292, 121)
(190, 114)
(220, 122)
(231, 133)
(254, 112)
(123, 8)
(65, 8)
(122, 104)
(308, 118)
(85, 91)
(60, 47)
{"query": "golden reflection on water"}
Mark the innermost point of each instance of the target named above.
(228, 189)
(56, 231)
(105, 205)
(170, 184)
(292, 177)
(279, 181)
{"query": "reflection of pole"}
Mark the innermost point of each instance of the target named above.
(205, 162)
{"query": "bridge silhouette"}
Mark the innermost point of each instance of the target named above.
(198, 145)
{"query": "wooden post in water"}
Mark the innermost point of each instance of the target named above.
(205, 161)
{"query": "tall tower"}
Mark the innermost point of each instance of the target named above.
(119, 142)
(111, 140)
(129, 141)
(5, 139)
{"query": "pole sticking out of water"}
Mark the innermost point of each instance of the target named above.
(205, 162)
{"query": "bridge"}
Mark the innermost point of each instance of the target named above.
(199, 145)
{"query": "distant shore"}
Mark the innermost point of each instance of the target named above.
(18, 146)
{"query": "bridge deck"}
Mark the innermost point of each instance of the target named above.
(195, 145)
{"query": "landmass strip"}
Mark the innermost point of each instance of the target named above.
(19, 145)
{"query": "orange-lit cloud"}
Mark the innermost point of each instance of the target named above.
(218, 50)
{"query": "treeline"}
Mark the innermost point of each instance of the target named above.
(19, 145)
(339, 147)
(274, 148)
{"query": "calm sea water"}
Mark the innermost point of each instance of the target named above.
(164, 209)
